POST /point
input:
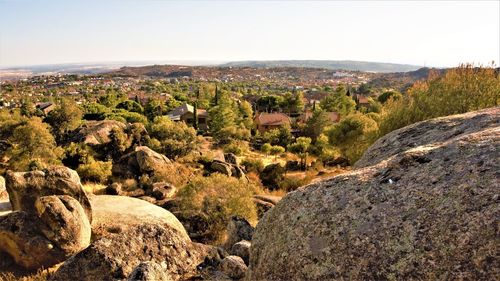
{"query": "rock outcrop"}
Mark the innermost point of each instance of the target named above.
(116, 256)
(426, 209)
(142, 161)
(58, 229)
(238, 229)
(150, 271)
(117, 214)
(25, 188)
(97, 132)
(228, 169)
(233, 267)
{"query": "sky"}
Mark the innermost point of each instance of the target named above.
(430, 33)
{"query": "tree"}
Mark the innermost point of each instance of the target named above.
(301, 148)
(353, 135)
(277, 150)
(266, 148)
(293, 102)
(153, 109)
(391, 94)
(316, 124)
(33, 146)
(339, 102)
(64, 118)
(195, 116)
(282, 136)
(245, 111)
(131, 106)
(172, 139)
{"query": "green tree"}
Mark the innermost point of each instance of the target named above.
(64, 118)
(353, 135)
(391, 94)
(172, 139)
(339, 102)
(33, 143)
(316, 124)
(301, 148)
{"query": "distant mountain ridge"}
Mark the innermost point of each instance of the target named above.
(327, 64)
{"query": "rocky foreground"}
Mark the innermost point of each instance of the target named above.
(422, 204)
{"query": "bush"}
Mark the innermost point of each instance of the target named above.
(218, 197)
(272, 175)
(95, 171)
(172, 139)
(460, 90)
(236, 147)
(353, 135)
(253, 165)
(292, 183)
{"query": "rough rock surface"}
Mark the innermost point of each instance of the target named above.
(231, 158)
(116, 256)
(97, 132)
(234, 267)
(142, 161)
(25, 187)
(432, 131)
(242, 250)
(426, 213)
(238, 229)
(65, 222)
(150, 271)
(58, 230)
(227, 169)
(116, 214)
(162, 190)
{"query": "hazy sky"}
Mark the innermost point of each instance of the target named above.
(432, 33)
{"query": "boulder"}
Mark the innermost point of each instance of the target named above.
(221, 167)
(197, 224)
(96, 132)
(428, 132)
(65, 222)
(162, 190)
(242, 250)
(150, 271)
(3, 190)
(116, 214)
(234, 267)
(116, 256)
(142, 161)
(238, 229)
(59, 229)
(25, 188)
(429, 212)
(231, 158)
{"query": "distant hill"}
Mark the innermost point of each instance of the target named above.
(403, 80)
(328, 64)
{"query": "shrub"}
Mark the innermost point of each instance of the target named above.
(277, 150)
(253, 165)
(292, 183)
(218, 197)
(272, 175)
(172, 139)
(460, 90)
(236, 147)
(95, 171)
(353, 135)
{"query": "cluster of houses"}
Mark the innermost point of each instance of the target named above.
(263, 121)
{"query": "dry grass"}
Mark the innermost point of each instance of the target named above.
(94, 188)
(41, 275)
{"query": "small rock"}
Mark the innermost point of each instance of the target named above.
(238, 229)
(231, 158)
(114, 189)
(162, 190)
(234, 267)
(149, 271)
(148, 199)
(242, 250)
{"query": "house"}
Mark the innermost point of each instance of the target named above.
(268, 121)
(185, 113)
(361, 101)
(45, 107)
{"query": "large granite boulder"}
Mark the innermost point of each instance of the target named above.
(428, 132)
(427, 212)
(150, 271)
(25, 188)
(142, 161)
(58, 229)
(116, 256)
(116, 214)
(97, 132)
